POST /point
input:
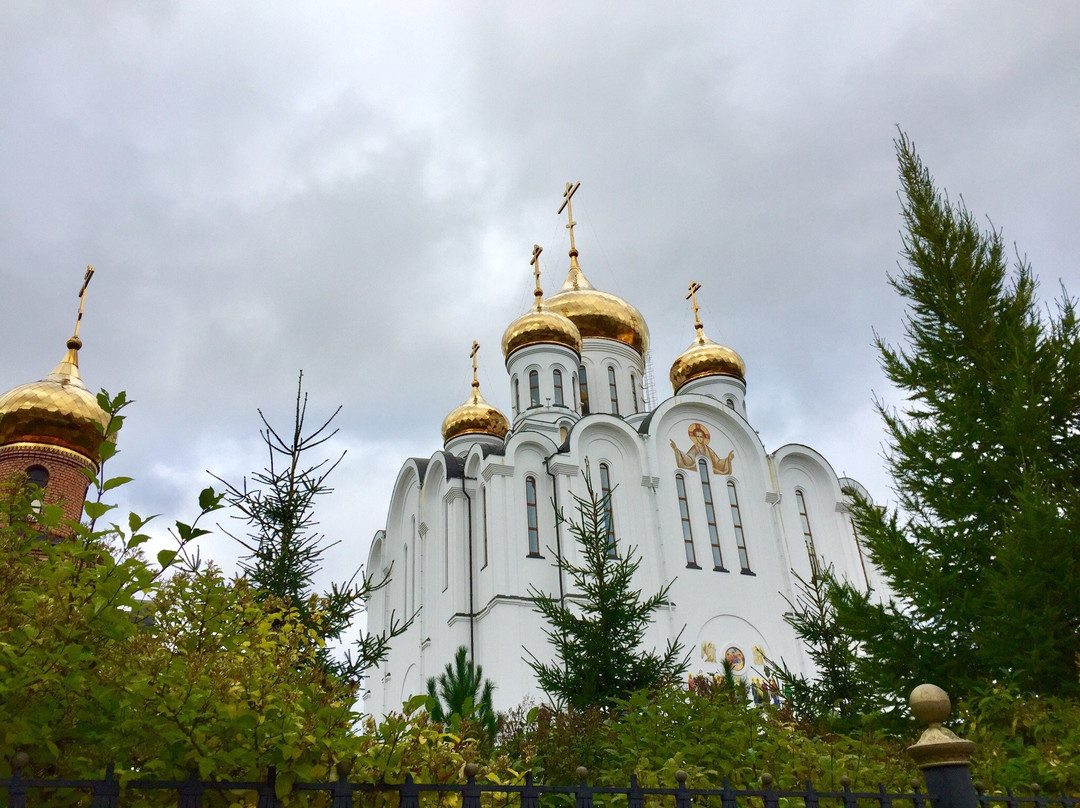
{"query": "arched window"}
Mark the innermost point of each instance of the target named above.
(483, 521)
(573, 388)
(730, 402)
(517, 396)
(612, 391)
(633, 391)
(405, 579)
(808, 535)
(446, 547)
(531, 517)
(684, 515)
(609, 515)
(583, 381)
(710, 516)
(556, 380)
(736, 521)
(534, 389)
(38, 475)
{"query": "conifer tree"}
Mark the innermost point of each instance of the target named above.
(982, 552)
(597, 630)
(461, 690)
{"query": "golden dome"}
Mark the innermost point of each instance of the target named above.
(475, 416)
(706, 358)
(58, 410)
(540, 324)
(599, 314)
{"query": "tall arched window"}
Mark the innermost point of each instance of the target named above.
(405, 580)
(609, 514)
(710, 516)
(684, 515)
(583, 383)
(633, 391)
(534, 389)
(736, 521)
(446, 548)
(556, 380)
(517, 396)
(483, 521)
(612, 390)
(808, 535)
(531, 517)
(573, 389)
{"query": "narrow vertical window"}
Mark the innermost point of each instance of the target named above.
(405, 580)
(517, 396)
(633, 391)
(483, 522)
(808, 535)
(710, 517)
(534, 389)
(730, 402)
(612, 391)
(609, 516)
(736, 521)
(556, 380)
(573, 389)
(583, 381)
(531, 517)
(446, 549)
(858, 546)
(684, 515)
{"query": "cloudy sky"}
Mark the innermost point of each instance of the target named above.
(354, 189)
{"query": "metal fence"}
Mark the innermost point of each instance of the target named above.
(341, 793)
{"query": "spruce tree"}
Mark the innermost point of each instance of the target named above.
(982, 552)
(461, 690)
(598, 629)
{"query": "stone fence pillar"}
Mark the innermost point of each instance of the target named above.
(943, 756)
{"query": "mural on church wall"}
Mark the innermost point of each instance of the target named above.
(699, 447)
(708, 651)
(734, 657)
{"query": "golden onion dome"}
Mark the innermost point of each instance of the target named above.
(540, 325)
(706, 358)
(599, 314)
(58, 410)
(475, 416)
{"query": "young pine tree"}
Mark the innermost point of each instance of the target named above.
(461, 690)
(983, 550)
(597, 630)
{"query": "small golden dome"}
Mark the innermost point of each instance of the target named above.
(706, 358)
(599, 314)
(475, 416)
(58, 410)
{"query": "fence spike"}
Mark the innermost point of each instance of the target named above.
(530, 795)
(106, 793)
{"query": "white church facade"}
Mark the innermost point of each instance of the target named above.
(472, 528)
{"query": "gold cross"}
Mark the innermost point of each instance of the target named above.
(475, 350)
(82, 298)
(535, 264)
(692, 296)
(570, 189)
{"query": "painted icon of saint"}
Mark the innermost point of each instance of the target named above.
(700, 448)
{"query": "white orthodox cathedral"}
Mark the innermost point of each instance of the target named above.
(472, 528)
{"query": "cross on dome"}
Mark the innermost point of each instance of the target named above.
(571, 188)
(692, 297)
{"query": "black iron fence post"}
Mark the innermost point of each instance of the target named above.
(943, 756)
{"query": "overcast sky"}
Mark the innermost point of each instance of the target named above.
(354, 189)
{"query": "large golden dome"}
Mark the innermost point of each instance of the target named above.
(706, 358)
(58, 410)
(599, 314)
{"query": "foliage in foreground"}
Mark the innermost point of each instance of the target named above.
(460, 693)
(984, 546)
(286, 551)
(598, 629)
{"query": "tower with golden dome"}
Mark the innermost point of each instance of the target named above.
(51, 430)
(471, 530)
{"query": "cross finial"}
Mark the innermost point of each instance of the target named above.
(692, 297)
(567, 196)
(475, 350)
(535, 264)
(82, 300)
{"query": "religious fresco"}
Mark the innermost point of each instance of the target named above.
(700, 437)
(759, 655)
(735, 658)
(708, 651)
